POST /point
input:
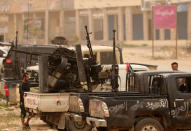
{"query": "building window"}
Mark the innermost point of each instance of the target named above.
(167, 34)
(113, 24)
(34, 28)
(83, 22)
(157, 34)
(182, 25)
(124, 25)
(98, 28)
(138, 27)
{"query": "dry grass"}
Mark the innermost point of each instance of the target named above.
(9, 120)
(3, 104)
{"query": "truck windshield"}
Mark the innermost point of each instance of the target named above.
(184, 84)
(152, 84)
(106, 57)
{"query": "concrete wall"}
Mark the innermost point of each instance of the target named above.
(53, 25)
(19, 6)
(68, 4)
(11, 32)
(180, 1)
(85, 4)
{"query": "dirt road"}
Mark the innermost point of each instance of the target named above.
(163, 57)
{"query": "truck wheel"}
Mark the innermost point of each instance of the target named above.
(148, 124)
(77, 126)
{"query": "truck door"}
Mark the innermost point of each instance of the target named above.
(181, 111)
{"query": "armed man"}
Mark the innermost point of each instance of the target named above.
(25, 87)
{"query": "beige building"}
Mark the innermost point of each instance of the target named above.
(40, 21)
(130, 21)
(37, 21)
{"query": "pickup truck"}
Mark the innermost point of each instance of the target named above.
(79, 102)
(164, 103)
(53, 115)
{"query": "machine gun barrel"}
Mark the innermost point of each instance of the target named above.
(17, 64)
(5, 44)
(89, 42)
(16, 39)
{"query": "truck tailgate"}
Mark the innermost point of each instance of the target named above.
(47, 102)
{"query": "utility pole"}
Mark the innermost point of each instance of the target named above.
(46, 21)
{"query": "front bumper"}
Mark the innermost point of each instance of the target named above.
(97, 122)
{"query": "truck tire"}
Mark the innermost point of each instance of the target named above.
(75, 126)
(148, 124)
(101, 129)
(61, 130)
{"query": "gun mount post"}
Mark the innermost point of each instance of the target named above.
(16, 39)
(81, 69)
(43, 73)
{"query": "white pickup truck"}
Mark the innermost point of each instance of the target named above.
(53, 106)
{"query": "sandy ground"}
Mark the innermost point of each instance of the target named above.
(163, 57)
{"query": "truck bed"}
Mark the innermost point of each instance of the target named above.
(107, 94)
(47, 102)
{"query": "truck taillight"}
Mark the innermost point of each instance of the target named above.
(127, 68)
(6, 90)
(76, 104)
(98, 109)
(8, 61)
